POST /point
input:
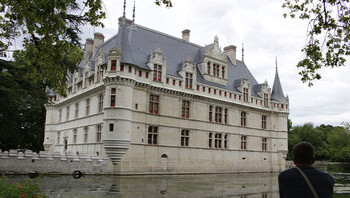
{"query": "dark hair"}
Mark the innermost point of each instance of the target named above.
(303, 153)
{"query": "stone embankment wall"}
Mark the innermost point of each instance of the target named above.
(14, 162)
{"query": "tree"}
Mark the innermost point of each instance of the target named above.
(339, 144)
(22, 111)
(307, 133)
(167, 3)
(50, 30)
(328, 34)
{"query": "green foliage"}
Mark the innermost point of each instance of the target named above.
(307, 133)
(167, 3)
(339, 141)
(51, 35)
(331, 143)
(328, 34)
(26, 188)
(22, 111)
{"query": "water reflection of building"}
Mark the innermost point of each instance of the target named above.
(155, 103)
(231, 185)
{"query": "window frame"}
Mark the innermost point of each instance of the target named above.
(243, 142)
(157, 73)
(185, 109)
(153, 107)
(185, 136)
(152, 135)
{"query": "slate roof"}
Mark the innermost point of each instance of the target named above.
(277, 92)
(138, 42)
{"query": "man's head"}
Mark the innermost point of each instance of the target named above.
(303, 154)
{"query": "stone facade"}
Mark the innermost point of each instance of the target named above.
(156, 104)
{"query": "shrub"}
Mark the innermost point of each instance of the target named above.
(25, 188)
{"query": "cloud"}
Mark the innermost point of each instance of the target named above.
(265, 33)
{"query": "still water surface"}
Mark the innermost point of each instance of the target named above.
(262, 185)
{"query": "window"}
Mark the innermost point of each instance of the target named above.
(146, 74)
(140, 73)
(75, 134)
(226, 116)
(243, 119)
(152, 135)
(98, 133)
(113, 65)
(208, 68)
(130, 69)
(185, 113)
(218, 114)
(203, 89)
(210, 113)
(216, 70)
(86, 133)
(121, 67)
(111, 127)
(100, 103)
(210, 139)
(245, 94)
(67, 116)
(197, 87)
(185, 136)
(59, 115)
(174, 82)
(209, 90)
(76, 110)
(113, 95)
(223, 72)
(218, 140)
(264, 144)
(167, 80)
(98, 77)
(58, 137)
(87, 106)
(266, 100)
(157, 73)
(189, 79)
(244, 142)
(263, 122)
(180, 83)
(225, 141)
(215, 91)
(153, 104)
(86, 79)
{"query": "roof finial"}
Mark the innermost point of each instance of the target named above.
(243, 52)
(276, 62)
(124, 9)
(133, 14)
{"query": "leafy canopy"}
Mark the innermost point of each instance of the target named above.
(328, 34)
(50, 30)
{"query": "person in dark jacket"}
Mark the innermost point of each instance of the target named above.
(292, 183)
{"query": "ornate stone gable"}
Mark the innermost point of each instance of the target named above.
(188, 70)
(215, 52)
(214, 65)
(100, 58)
(157, 63)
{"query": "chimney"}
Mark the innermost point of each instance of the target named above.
(89, 45)
(98, 41)
(186, 35)
(231, 53)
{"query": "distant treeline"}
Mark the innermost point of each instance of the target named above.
(331, 142)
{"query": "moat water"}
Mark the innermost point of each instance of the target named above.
(264, 185)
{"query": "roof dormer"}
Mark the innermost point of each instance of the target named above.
(157, 62)
(214, 65)
(244, 86)
(188, 73)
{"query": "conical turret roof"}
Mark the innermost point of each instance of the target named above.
(277, 91)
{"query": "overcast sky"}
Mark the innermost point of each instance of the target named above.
(260, 25)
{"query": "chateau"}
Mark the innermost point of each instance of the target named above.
(156, 104)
